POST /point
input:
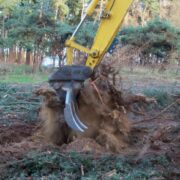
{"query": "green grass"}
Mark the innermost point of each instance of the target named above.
(24, 78)
(139, 73)
(20, 101)
(23, 74)
(54, 165)
(161, 96)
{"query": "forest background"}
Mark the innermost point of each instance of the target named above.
(33, 29)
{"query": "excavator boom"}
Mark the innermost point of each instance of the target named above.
(67, 77)
(111, 20)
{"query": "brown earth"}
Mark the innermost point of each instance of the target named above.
(14, 140)
(101, 107)
(115, 126)
(107, 122)
(15, 133)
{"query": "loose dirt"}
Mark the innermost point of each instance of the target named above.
(14, 140)
(15, 133)
(99, 109)
(126, 124)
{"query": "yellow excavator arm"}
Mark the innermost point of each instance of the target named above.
(68, 80)
(111, 20)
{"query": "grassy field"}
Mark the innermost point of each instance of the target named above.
(143, 73)
(21, 74)
(24, 74)
(23, 157)
(55, 165)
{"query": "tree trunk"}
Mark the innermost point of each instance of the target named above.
(1, 55)
(35, 60)
(19, 59)
(12, 55)
(40, 61)
(83, 9)
(28, 56)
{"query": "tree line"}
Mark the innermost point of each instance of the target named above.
(31, 29)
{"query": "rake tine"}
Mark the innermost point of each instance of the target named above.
(69, 115)
(79, 122)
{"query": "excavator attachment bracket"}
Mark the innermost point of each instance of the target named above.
(67, 82)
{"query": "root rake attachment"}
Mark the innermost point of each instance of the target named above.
(67, 82)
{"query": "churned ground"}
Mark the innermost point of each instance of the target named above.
(145, 147)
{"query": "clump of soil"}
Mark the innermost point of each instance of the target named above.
(52, 126)
(14, 140)
(15, 133)
(100, 110)
(100, 106)
(83, 145)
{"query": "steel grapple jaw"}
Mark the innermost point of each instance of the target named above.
(67, 82)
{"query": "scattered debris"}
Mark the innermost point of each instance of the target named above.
(27, 146)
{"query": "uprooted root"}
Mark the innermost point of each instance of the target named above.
(100, 106)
